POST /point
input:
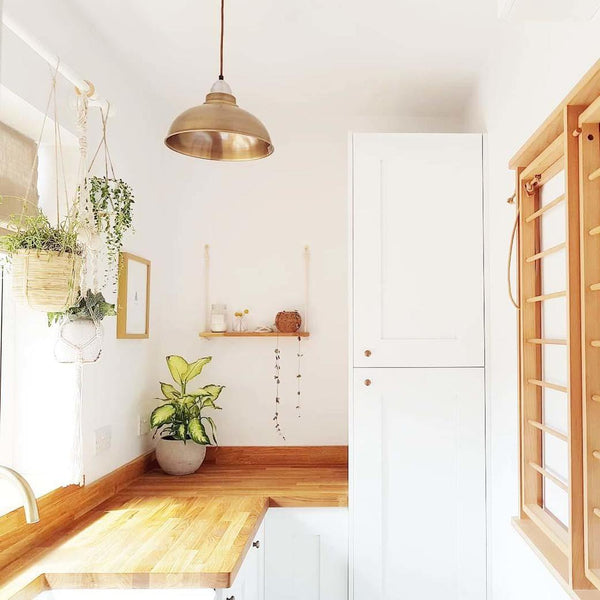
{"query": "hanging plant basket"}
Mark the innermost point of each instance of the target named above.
(45, 280)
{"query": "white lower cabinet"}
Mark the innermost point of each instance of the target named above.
(298, 554)
(306, 554)
(417, 488)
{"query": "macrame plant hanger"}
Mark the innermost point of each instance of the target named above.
(80, 341)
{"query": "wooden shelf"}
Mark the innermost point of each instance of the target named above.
(210, 334)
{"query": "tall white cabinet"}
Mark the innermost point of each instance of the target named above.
(417, 444)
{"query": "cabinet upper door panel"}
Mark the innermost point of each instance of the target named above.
(417, 250)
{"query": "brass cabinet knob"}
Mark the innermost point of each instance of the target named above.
(256, 544)
(367, 382)
(367, 353)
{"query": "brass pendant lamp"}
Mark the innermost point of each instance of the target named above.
(219, 129)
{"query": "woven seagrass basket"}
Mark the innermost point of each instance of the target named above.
(47, 281)
(288, 321)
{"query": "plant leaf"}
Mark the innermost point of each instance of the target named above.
(195, 368)
(178, 367)
(213, 428)
(211, 391)
(169, 391)
(162, 415)
(181, 432)
(197, 432)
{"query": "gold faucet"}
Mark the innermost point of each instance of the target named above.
(29, 501)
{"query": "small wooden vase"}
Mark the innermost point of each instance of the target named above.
(288, 321)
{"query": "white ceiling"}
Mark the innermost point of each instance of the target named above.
(381, 57)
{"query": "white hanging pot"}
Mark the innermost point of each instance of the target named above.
(79, 341)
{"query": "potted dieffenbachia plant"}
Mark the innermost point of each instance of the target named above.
(179, 421)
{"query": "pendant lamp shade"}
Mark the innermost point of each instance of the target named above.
(219, 129)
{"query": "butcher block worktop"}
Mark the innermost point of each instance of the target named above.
(173, 532)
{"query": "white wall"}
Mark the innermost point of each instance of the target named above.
(257, 217)
(533, 67)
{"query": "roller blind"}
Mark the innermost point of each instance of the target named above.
(17, 157)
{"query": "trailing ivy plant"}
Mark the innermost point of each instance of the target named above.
(35, 232)
(180, 417)
(91, 307)
(111, 202)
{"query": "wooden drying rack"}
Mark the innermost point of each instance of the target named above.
(569, 141)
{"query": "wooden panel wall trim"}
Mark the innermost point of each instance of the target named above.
(62, 507)
(583, 94)
(291, 456)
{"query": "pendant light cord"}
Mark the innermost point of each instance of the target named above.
(222, 36)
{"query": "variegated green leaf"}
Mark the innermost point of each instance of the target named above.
(197, 432)
(181, 432)
(162, 415)
(212, 391)
(194, 369)
(213, 428)
(178, 367)
(169, 391)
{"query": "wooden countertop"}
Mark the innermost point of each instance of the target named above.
(170, 532)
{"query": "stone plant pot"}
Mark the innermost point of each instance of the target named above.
(177, 458)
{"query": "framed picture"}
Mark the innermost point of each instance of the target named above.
(133, 298)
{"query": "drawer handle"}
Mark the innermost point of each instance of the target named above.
(367, 353)
(230, 598)
(368, 382)
(256, 544)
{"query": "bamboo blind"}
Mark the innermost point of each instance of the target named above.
(18, 174)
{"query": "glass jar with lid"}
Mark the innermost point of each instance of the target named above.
(218, 318)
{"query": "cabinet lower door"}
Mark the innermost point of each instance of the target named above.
(418, 484)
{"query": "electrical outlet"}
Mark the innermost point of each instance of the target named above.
(143, 425)
(103, 438)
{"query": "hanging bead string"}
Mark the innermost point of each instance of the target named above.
(277, 382)
(299, 378)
